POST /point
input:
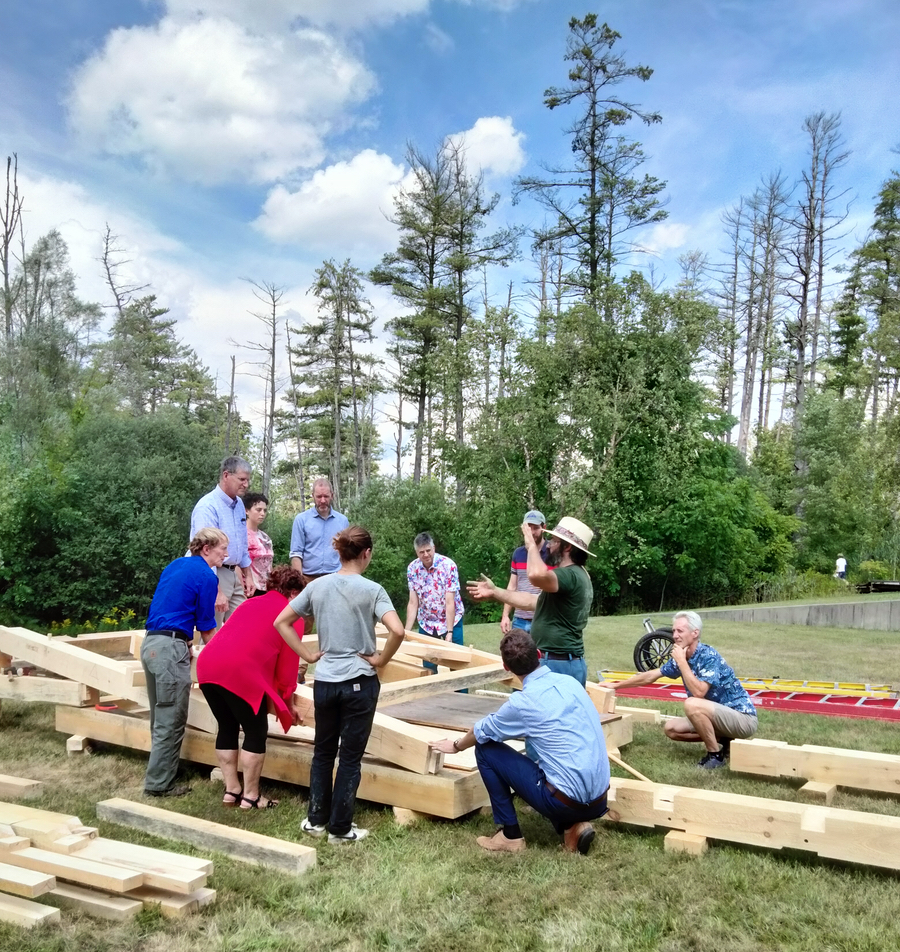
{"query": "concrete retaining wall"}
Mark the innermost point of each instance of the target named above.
(874, 616)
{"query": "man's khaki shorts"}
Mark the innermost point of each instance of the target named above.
(731, 723)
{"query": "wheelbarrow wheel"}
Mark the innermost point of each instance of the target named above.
(653, 650)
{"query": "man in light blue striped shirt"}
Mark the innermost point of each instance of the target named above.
(223, 509)
(569, 783)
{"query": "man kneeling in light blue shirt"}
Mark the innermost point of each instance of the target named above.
(570, 781)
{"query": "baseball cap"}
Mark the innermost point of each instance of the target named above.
(534, 518)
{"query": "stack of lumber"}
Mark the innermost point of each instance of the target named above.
(45, 854)
(400, 768)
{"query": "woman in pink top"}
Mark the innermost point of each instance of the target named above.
(246, 669)
(259, 545)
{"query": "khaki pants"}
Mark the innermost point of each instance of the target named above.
(233, 590)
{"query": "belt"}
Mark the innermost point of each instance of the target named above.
(561, 656)
(230, 568)
(170, 633)
(569, 802)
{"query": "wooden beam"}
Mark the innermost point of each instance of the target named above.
(448, 793)
(23, 912)
(676, 841)
(174, 907)
(98, 904)
(640, 715)
(19, 787)
(155, 866)
(845, 835)
(860, 770)
(399, 670)
(74, 869)
(15, 812)
(243, 845)
(47, 690)
(817, 792)
(104, 642)
(25, 882)
(604, 698)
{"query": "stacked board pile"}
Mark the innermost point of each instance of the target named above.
(51, 857)
(400, 768)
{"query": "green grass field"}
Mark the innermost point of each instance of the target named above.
(428, 887)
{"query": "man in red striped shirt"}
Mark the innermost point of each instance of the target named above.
(518, 578)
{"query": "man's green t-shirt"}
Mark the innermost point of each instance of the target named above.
(561, 616)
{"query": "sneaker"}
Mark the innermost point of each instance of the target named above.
(352, 836)
(712, 760)
(313, 829)
(176, 791)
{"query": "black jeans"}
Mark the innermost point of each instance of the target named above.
(344, 713)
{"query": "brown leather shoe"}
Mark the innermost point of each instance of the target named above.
(578, 838)
(498, 843)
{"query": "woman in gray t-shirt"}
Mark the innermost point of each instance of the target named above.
(345, 691)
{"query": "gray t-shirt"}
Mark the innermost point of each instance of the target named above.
(346, 608)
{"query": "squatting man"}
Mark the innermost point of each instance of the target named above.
(718, 709)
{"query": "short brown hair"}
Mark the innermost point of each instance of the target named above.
(285, 580)
(206, 536)
(351, 542)
(519, 652)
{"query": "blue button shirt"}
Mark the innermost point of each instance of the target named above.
(709, 666)
(185, 597)
(555, 713)
(311, 538)
(217, 510)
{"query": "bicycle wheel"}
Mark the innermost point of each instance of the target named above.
(653, 650)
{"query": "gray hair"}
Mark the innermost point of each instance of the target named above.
(422, 539)
(322, 481)
(695, 622)
(234, 464)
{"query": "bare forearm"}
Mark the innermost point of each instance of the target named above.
(636, 680)
(524, 600)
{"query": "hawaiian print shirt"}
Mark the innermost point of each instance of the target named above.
(431, 587)
(709, 666)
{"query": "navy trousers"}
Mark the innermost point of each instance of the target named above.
(506, 772)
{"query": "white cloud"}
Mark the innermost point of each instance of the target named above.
(664, 236)
(344, 14)
(214, 101)
(341, 208)
(492, 144)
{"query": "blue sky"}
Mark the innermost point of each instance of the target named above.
(230, 139)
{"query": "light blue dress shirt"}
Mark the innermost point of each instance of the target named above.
(311, 537)
(555, 713)
(217, 510)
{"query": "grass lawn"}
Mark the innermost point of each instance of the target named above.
(428, 887)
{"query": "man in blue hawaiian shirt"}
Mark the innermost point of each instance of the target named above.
(717, 708)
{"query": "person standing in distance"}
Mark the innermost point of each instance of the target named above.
(223, 509)
(184, 600)
(311, 550)
(434, 596)
(518, 578)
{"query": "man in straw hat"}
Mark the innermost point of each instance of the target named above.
(561, 609)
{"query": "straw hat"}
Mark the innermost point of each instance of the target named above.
(571, 530)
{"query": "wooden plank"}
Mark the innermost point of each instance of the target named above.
(243, 845)
(45, 690)
(23, 912)
(604, 698)
(76, 744)
(845, 835)
(19, 787)
(174, 907)
(98, 904)
(448, 793)
(470, 677)
(676, 841)
(399, 670)
(453, 711)
(149, 855)
(16, 812)
(24, 882)
(42, 833)
(86, 872)
(640, 715)
(67, 844)
(13, 842)
(860, 770)
(156, 866)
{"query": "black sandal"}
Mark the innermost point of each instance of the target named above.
(254, 804)
(235, 799)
